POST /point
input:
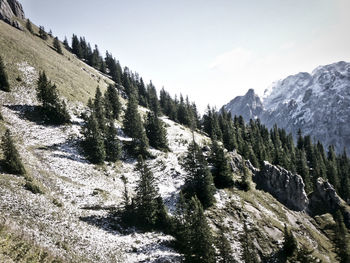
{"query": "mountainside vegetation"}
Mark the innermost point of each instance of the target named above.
(117, 174)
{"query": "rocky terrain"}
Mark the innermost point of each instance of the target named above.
(317, 103)
(72, 216)
(11, 11)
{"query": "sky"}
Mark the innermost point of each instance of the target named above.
(210, 50)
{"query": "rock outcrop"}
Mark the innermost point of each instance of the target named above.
(249, 106)
(286, 187)
(10, 10)
(326, 200)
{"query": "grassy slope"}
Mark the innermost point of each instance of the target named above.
(75, 80)
(77, 84)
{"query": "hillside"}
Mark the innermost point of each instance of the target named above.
(72, 218)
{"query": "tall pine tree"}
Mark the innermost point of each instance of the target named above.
(4, 83)
(12, 160)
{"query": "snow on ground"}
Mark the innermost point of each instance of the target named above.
(73, 216)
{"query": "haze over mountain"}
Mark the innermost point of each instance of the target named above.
(317, 103)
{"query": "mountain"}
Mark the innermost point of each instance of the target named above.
(11, 11)
(317, 103)
(67, 209)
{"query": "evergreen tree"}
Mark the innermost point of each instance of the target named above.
(57, 45)
(224, 248)
(246, 178)
(156, 132)
(342, 239)
(29, 26)
(221, 170)
(4, 83)
(249, 252)
(12, 160)
(290, 244)
(133, 128)
(66, 44)
(199, 181)
(42, 33)
(146, 203)
(112, 144)
(99, 110)
(199, 248)
(332, 171)
(303, 170)
(76, 48)
(113, 105)
(54, 109)
(93, 142)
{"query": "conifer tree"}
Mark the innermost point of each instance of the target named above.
(99, 110)
(29, 26)
(93, 142)
(133, 128)
(156, 132)
(12, 160)
(199, 180)
(221, 170)
(224, 248)
(66, 44)
(57, 45)
(42, 33)
(200, 240)
(342, 238)
(112, 144)
(146, 203)
(54, 109)
(112, 102)
(249, 253)
(4, 83)
(246, 179)
(332, 171)
(290, 244)
(76, 48)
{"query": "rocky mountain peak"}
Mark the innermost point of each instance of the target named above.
(317, 103)
(249, 105)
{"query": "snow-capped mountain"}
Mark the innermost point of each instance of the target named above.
(317, 103)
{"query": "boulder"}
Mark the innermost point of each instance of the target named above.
(286, 187)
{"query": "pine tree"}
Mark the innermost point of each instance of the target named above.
(42, 33)
(224, 248)
(133, 128)
(303, 170)
(146, 203)
(76, 48)
(342, 238)
(249, 253)
(12, 160)
(221, 170)
(66, 44)
(113, 105)
(29, 26)
(156, 132)
(332, 171)
(93, 142)
(199, 240)
(290, 244)
(199, 180)
(54, 109)
(4, 83)
(57, 45)
(246, 179)
(99, 110)
(112, 144)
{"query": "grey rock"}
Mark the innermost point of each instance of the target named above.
(10, 10)
(249, 106)
(286, 187)
(326, 200)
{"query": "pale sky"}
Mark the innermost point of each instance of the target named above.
(209, 50)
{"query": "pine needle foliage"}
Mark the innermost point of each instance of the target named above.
(12, 160)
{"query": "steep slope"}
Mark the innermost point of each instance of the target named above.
(72, 217)
(317, 103)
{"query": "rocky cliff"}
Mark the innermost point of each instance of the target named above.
(286, 187)
(10, 10)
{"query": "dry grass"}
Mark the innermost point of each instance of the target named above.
(75, 80)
